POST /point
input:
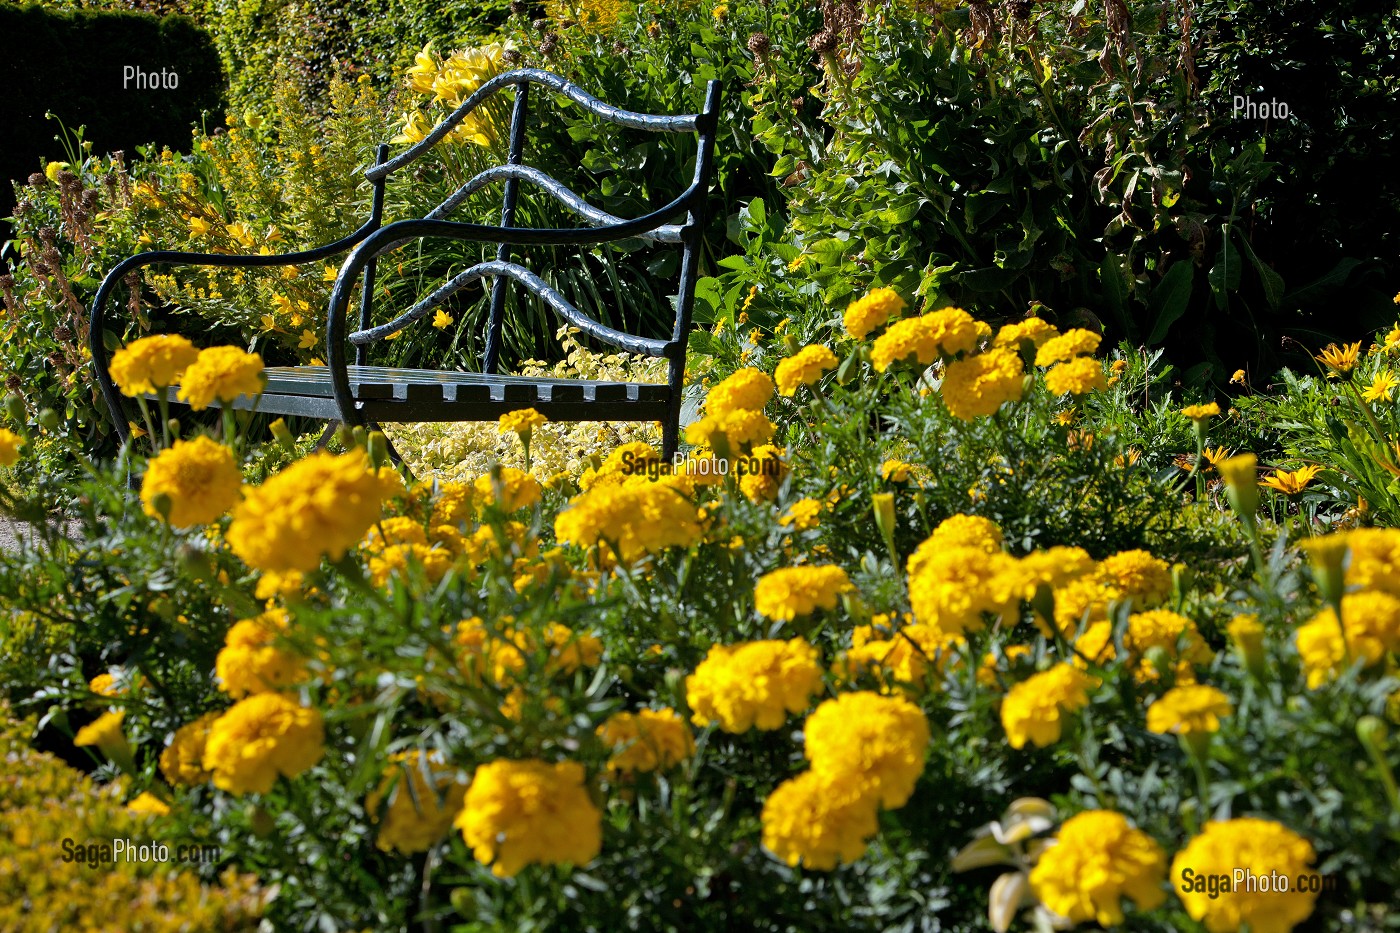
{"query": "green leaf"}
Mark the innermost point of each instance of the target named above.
(1169, 299)
(1224, 276)
(1318, 290)
(1271, 280)
(1115, 290)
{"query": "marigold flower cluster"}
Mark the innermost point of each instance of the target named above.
(319, 506)
(791, 592)
(873, 311)
(1192, 709)
(648, 740)
(899, 657)
(803, 368)
(530, 812)
(976, 386)
(508, 490)
(1258, 847)
(629, 522)
(182, 761)
(734, 421)
(1034, 331)
(1034, 710)
(753, 685)
(424, 797)
(251, 660)
(1368, 633)
(261, 738)
(1173, 635)
(522, 422)
(936, 335)
(1097, 860)
(221, 374)
(151, 363)
(1128, 575)
(867, 751)
(196, 481)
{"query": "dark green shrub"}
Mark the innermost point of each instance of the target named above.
(70, 63)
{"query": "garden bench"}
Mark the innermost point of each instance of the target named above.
(357, 393)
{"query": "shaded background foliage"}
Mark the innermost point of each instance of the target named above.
(69, 63)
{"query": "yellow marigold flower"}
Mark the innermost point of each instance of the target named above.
(395, 561)
(802, 515)
(1291, 484)
(1137, 574)
(1375, 559)
(896, 471)
(319, 506)
(522, 422)
(1238, 378)
(819, 820)
(197, 480)
(943, 333)
(649, 740)
(519, 490)
(871, 312)
(1188, 710)
(442, 320)
(1372, 622)
(959, 531)
(105, 685)
(182, 761)
(897, 661)
(530, 812)
(1341, 359)
(803, 368)
(880, 740)
(424, 796)
(252, 662)
(744, 390)
(453, 504)
(260, 738)
(105, 732)
(396, 529)
(976, 386)
(1034, 709)
(10, 443)
(738, 430)
(1033, 330)
(629, 522)
(951, 588)
(762, 473)
(754, 684)
(1072, 343)
(790, 592)
(151, 363)
(1382, 388)
(223, 374)
(1259, 847)
(1079, 376)
(1098, 859)
(1173, 633)
(148, 804)
(1201, 412)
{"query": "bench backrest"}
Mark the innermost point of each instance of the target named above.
(601, 226)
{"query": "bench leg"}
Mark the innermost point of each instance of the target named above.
(670, 436)
(326, 435)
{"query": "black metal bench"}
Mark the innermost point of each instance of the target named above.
(358, 393)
